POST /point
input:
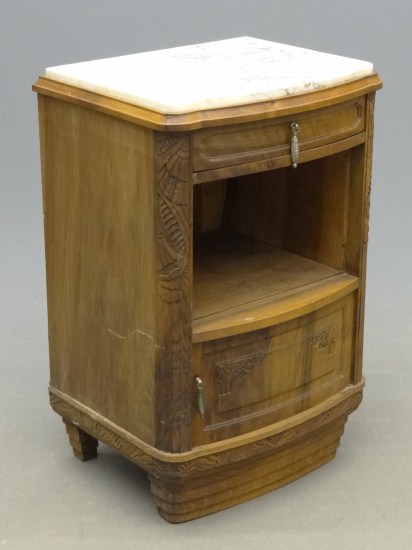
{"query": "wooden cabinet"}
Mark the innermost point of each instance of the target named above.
(205, 297)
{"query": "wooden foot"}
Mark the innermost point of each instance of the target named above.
(84, 445)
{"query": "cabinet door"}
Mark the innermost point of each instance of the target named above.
(258, 378)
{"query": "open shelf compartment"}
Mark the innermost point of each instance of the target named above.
(241, 284)
(270, 246)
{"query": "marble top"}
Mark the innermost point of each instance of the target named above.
(229, 72)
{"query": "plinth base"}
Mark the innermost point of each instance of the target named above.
(220, 475)
(229, 486)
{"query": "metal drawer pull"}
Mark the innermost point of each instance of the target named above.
(200, 396)
(294, 144)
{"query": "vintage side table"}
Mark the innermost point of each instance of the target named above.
(206, 222)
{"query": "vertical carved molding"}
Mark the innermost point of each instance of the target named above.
(173, 225)
(367, 188)
(368, 167)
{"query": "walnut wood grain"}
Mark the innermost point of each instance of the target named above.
(102, 336)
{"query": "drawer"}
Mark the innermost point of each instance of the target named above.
(250, 142)
(256, 379)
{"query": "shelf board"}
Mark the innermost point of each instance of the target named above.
(241, 284)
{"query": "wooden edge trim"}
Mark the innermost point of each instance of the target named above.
(278, 107)
(99, 102)
(142, 454)
(279, 309)
(278, 162)
(207, 118)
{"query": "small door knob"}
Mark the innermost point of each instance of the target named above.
(200, 396)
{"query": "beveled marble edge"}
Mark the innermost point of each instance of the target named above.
(212, 75)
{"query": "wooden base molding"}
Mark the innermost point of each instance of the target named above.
(205, 480)
(244, 480)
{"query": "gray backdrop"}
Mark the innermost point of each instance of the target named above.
(47, 498)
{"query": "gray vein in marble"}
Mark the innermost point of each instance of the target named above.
(212, 75)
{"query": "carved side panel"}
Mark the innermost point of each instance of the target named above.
(173, 222)
(368, 169)
(367, 188)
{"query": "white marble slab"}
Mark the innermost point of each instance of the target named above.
(229, 72)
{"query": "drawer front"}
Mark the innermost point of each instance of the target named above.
(256, 379)
(240, 144)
